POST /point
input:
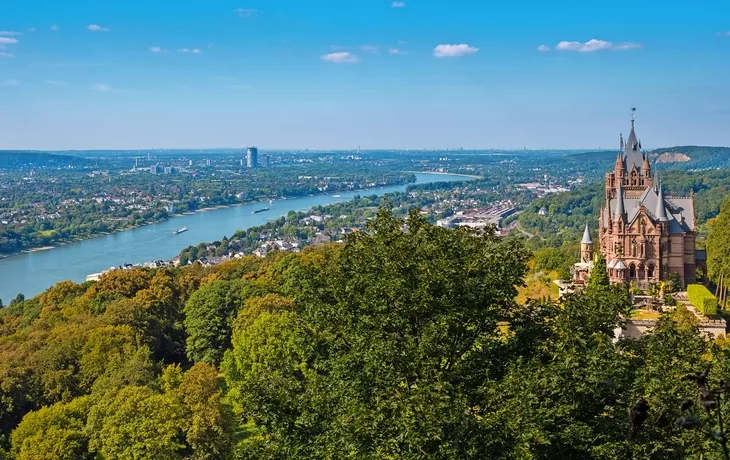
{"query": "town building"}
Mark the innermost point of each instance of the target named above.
(252, 157)
(644, 234)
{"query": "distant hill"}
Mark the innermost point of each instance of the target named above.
(679, 157)
(27, 159)
(699, 157)
(600, 156)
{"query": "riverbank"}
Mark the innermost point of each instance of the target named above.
(32, 273)
(443, 173)
(61, 243)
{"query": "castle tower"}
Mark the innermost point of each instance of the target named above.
(586, 247)
(644, 234)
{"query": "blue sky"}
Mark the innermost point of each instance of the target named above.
(376, 73)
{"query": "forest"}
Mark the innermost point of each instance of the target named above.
(399, 343)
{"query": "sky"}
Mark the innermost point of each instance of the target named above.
(338, 74)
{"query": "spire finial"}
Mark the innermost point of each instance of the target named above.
(621, 136)
(633, 115)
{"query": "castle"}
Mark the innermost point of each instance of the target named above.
(644, 234)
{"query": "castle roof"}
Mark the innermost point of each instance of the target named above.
(586, 236)
(632, 152)
(678, 212)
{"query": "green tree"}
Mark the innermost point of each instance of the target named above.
(391, 340)
(718, 244)
(137, 423)
(599, 273)
(55, 432)
(209, 430)
(208, 316)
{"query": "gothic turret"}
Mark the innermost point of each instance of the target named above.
(619, 165)
(646, 168)
(586, 246)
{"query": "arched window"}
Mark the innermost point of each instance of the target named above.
(650, 274)
(632, 271)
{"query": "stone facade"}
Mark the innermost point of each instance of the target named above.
(643, 234)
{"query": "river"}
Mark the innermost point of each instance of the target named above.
(32, 273)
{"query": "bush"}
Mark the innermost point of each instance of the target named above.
(702, 299)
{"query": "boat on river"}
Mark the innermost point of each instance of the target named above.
(260, 210)
(179, 230)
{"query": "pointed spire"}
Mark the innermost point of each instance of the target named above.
(646, 167)
(586, 236)
(621, 136)
(619, 161)
(661, 211)
(619, 202)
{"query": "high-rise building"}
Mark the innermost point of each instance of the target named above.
(154, 169)
(252, 157)
(264, 162)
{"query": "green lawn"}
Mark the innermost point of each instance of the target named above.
(640, 313)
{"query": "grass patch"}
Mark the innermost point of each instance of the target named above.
(640, 313)
(539, 285)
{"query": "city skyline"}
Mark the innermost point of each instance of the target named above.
(379, 74)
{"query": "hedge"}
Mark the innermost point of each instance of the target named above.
(702, 299)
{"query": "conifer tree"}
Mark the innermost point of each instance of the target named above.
(599, 274)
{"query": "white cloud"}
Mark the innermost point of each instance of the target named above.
(157, 49)
(543, 48)
(342, 57)
(9, 83)
(7, 55)
(55, 82)
(97, 28)
(105, 88)
(397, 51)
(595, 45)
(191, 50)
(245, 12)
(9, 33)
(374, 49)
(54, 27)
(5, 41)
(443, 51)
(724, 34)
(398, 5)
